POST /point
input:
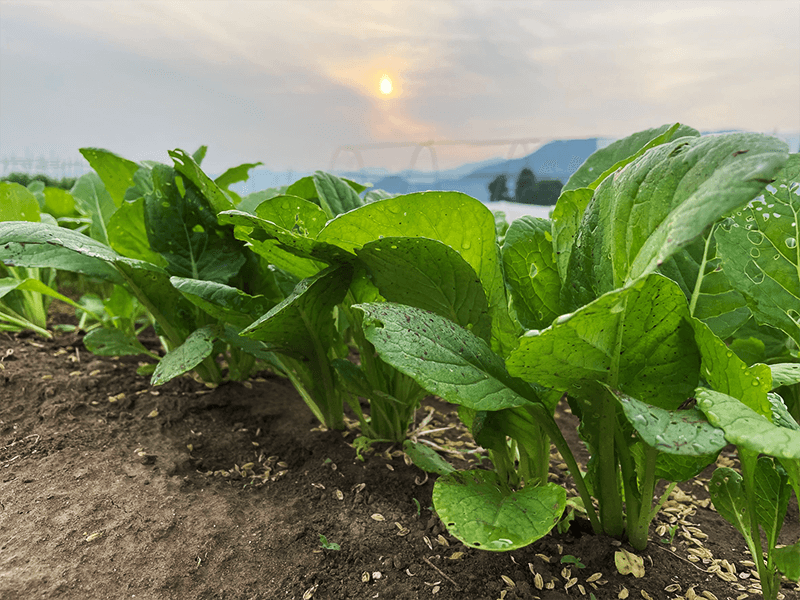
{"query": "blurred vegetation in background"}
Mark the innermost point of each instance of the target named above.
(25, 179)
(527, 189)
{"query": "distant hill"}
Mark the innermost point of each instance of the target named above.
(556, 160)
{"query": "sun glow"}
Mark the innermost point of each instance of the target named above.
(386, 85)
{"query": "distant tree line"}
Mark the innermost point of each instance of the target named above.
(527, 189)
(65, 183)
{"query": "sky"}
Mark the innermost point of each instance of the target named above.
(287, 83)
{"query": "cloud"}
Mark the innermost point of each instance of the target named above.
(288, 82)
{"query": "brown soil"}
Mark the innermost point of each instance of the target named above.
(110, 488)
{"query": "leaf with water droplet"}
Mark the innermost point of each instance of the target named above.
(683, 432)
(762, 263)
(481, 511)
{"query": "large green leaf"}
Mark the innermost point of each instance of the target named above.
(9, 284)
(128, 236)
(445, 359)
(746, 428)
(772, 498)
(195, 349)
(725, 372)
(17, 203)
(116, 172)
(303, 325)
(430, 275)
(290, 248)
(681, 432)
(186, 166)
(113, 342)
(294, 214)
(727, 492)
(452, 218)
(25, 244)
(482, 512)
(567, 217)
(223, 302)
(614, 154)
(235, 175)
(335, 195)
(636, 339)
(787, 559)
(785, 374)
(761, 255)
(40, 245)
(531, 272)
(182, 227)
(92, 198)
(250, 202)
(640, 216)
(58, 202)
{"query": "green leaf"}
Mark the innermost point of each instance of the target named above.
(787, 559)
(186, 166)
(430, 275)
(304, 188)
(725, 372)
(746, 428)
(24, 244)
(58, 202)
(426, 458)
(198, 346)
(482, 512)
(33, 285)
(531, 272)
(760, 252)
(304, 320)
(452, 218)
(17, 203)
(113, 342)
(785, 374)
(223, 302)
(235, 175)
(603, 160)
(92, 198)
(293, 214)
(116, 172)
(653, 357)
(151, 286)
(40, 245)
(336, 195)
(643, 214)
(772, 493)
(567, 217)
(780, 413)
(200, 154)
(445, 359)
(726, 489)
(128, 236)
(681, 432)
(719, 305)
(250, 202)
(676, 467)
(182, 227)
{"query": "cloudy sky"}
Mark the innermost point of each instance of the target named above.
(286, 83)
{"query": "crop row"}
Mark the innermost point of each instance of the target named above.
(662, 300)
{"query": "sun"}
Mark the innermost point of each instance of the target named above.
(386, 85)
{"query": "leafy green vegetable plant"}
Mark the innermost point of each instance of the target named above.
(148, 222)
(617, 335)
(25, 292)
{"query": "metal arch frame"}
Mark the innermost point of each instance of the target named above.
(356, 149)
